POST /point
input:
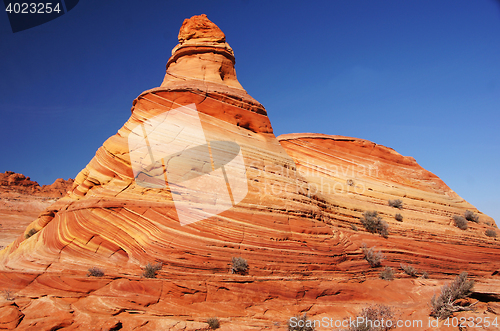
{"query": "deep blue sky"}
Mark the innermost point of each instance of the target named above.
(422, 77)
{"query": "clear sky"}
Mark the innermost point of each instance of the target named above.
(422, 77)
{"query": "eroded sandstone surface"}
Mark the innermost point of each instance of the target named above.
(298, 225)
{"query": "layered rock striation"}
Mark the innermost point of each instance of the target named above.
(196, 177)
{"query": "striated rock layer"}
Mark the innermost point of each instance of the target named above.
(293, 223)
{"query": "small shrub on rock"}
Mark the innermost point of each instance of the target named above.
(424, 275)
(354, 227)
(239, 265)
(150, 270)
(471, 216)
(409, 270)
(300, 323)
(213, 323)
(491, 233)
(460, 222)
(398, 203)
(8, 295)
(387, 274)
(30, 233)
(95, 272)
(398, 217)
(445, 303)
(371, 317)
(373, 223)
(374, 258)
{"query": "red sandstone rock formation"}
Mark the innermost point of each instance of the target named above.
(22, 200)
(294, 226)
(11, 182)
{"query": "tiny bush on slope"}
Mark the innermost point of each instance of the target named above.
(398, 203)
(460, 222)
(95, 272)
(300, 323)
(371, 317)
(491, 233)
(374, 258)
(373, 223)
(30, 233)
(409, 270)
(151, 269)
(445, 303)
(387, 274)
(213, 323)
(471, 216)
(239, 265)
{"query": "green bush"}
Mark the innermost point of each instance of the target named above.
(374, 258)
(443, 305)
(150, 270)
(373, 223)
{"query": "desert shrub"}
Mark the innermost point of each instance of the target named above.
(30, 233)
(445, 304)
(460, 222)
(213, 323)
(491, 233)
(151, 269)
(375, 318)
(8, 295)
(239, 265)
(387, 274)
(354, 227)
(300, 323)
(373, 257)
(398, 203)
(409, 270)
(95, 272)
(350, 182)
(398, 217)
(424, 275)
(471, 216)
(373, 223)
